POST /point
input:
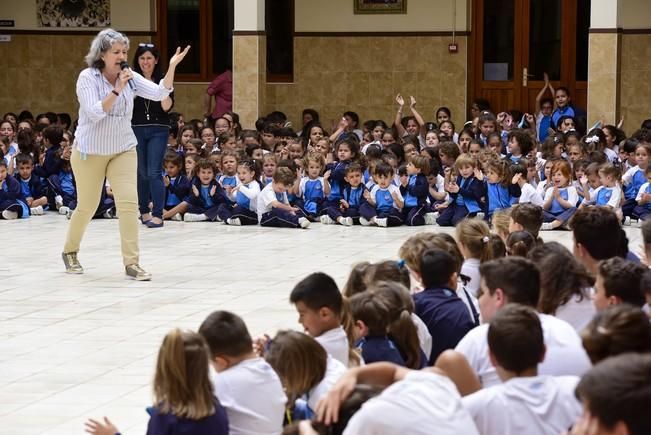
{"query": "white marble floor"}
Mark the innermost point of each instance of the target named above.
(73, 347)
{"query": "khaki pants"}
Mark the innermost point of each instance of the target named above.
(120, 170)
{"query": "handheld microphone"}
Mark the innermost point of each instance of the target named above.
(132, 84)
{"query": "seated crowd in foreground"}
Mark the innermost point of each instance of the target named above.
(456, 337)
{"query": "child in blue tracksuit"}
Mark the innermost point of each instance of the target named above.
(177, 187)
(415, 191)
(313, 188)
(347, 152)
(465, 193)
(11, 204)
(643, 209)
(52, 138)
(244, 211)
(347, 212)
(206, 194)
(501, 190)
(383, 206)
(634, 178)
(62, 189)
(273, 205)
(32, 186)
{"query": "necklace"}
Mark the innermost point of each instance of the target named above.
(147, 103)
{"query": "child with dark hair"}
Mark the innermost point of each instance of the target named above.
(177, 187)
(319, 304)
(517, 280)
(520, 145)
(384, 202)
(273, 205)
(52, 138)
(243, 211)
(541, 404)
(347, 211)
(438, 306)
(465, 193)
(619, 281)
(32, 186)
(588, 249)
(241, 372)
(414, 190)
(11, 204)
(643, 208)
(206, 194)
(616, 394)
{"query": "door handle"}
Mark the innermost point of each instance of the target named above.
(525, 76)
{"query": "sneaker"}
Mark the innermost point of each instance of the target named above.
(327, 220)
(58, 200)
(136, 272)
(37, 211)
(381, 222)
(69, 214)
(430, 218)
(303, 222)
(192, 217)
(364, 222)
(9, 215)
(177, 217)
(347, 221)
(109, 214)
(72, 263)
(627, 221)
(234, 221)
(64, 210)
(547, 226)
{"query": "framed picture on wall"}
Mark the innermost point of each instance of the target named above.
(380, 6)
(73, 13)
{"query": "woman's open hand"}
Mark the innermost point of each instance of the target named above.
(178, 56)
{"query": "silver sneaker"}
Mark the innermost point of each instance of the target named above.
(72, 263)
(138, 273)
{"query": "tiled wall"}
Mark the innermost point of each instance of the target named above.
(364, 74)
(635, 85)
(249, 77)
(603, 76)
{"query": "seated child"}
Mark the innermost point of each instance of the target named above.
(643, 198)
(525, 402)
(245, 194)
(11, 204)
(517, 280)
(273, 205)
(347, 212)
(528, 192)
(313, 188)
(319, 304)
(526, 217)
(246, 385)
(465, 193)
(635, 177)
(177, 187)
(559, 203)
(444, 313)
(370, 315)
(415, 190)
(502, 188)
(619, 281)
(32, 186)
(519, 145)
(384, 202)
(52, 138)
(609, 194)
(206, 194)
(62, 189)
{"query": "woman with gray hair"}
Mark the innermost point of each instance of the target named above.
(105, 145)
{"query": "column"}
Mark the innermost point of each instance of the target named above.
(249, 60)
(604, 58)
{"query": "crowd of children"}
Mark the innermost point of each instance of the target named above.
(455, 337)
(412, 173)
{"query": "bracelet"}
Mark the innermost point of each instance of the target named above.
(114, 91)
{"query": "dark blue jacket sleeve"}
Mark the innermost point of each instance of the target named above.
(338, 171)
(52, 163)
(514, 190)
(193, 199)
(13, 191)
(475, 189)
(420, 189)
(181, 188)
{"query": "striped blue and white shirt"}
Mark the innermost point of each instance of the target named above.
(109, 133)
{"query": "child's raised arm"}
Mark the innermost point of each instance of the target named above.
(398, 120)
(417, 116)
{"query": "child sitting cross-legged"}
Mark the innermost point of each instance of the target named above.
(319, 304)
(347, 212)
(273, 206)
(247, 386)
(384, 202)
(206, 194)
(11, 204)
(525, 402)
(32, 186)
(177, 187)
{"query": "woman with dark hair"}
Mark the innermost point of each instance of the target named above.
(151, 125)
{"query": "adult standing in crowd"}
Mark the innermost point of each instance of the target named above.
(151, 124)
(105, 145)
(222, 89)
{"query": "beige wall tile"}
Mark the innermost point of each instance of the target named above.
(635, 85)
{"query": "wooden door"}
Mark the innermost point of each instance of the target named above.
(515, 42)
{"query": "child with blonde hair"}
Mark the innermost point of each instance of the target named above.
(473, 236)
(184, 399)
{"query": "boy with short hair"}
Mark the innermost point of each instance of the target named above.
(11, 205)
(318, 301)
(384, 203)
(274, 209)
(347, 212)
(588, 249)
(616, 396)
(52, 138)
(247, 386)
(517, 280)
(32, 187)
(526, 217)
(438, 306)
(525, 402)
(619, 281)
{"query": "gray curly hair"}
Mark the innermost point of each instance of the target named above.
(101, 44)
